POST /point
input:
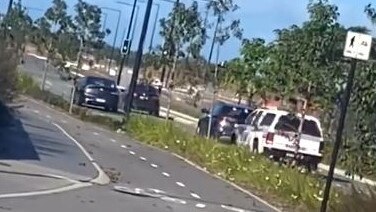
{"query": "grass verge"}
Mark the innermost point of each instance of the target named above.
(277, 184)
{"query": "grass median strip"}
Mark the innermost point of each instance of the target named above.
(278, 184)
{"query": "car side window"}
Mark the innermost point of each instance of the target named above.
(268, 119)
(257, 118)
(249, 119)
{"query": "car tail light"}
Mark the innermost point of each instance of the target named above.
(269, 138)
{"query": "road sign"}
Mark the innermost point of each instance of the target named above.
(125, 47)
(358, 46)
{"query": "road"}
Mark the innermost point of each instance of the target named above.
(34, 67)
(45, 140)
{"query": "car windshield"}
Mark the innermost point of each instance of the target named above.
(291, 124)
(239, 113)
(101, 82)
(146, 89)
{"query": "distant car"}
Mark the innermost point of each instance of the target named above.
(225, 119)
(97, 91)
(145, 98)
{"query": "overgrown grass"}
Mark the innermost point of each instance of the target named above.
(285, 186)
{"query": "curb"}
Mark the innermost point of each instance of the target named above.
(341, 173)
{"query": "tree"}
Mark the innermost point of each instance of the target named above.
(87, 27)
(18, 24)
(182, 28)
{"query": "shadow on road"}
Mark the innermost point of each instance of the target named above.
(15, 143)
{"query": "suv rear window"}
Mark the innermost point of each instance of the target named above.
(239, 113)
(268, 119)
(147, 89)
(291, 124)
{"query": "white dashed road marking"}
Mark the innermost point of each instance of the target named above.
(180, 184)
(165, 174)
(113, 140)
(142, 158)
(123, 146)
(36, 111)
(95, 133)
(233, 208)
(195, 196)
(170, 199)
(48, 116)
(132, 153)
(200, 205)
(154, 165)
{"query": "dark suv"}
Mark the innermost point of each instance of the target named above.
(145, 98)
(97, 91)
(225, 117)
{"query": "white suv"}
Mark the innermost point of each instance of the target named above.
(274, 131)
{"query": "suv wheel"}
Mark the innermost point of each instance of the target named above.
(255, 146)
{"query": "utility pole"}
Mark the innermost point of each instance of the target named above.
(115, 36)
(212, 44)
(214, 91)
(127, 37)
(154, 28)
(138, 59)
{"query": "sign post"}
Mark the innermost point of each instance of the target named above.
(358, 47)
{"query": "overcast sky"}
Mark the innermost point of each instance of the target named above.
(258, 18)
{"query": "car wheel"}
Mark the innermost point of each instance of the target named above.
(255, 146)
(233, 139)
(78, 99)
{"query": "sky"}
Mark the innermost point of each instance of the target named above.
(258, 18)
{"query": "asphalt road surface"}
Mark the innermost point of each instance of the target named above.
(145, 179)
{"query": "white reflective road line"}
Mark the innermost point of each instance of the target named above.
(180, 184)
(200, 205)
(154, 165)
(195, 195)
(165, 174)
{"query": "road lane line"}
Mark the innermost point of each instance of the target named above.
(200, 205)
(48, 116)
(228, 182)
(123, 146)
(102, 178)
(95, 133)
(165, 174)
(36, 111)
(195, 195)
(230, 208)
(113, 140)
(180, 184)
(70, 187)
(142, 158)
(154, 165)
(131, 152)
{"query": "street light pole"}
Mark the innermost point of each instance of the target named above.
(213, 43)
(214, 91)
(138, 59)
(104, 21)
(115, 36)
(154, 28)
(127, 37)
